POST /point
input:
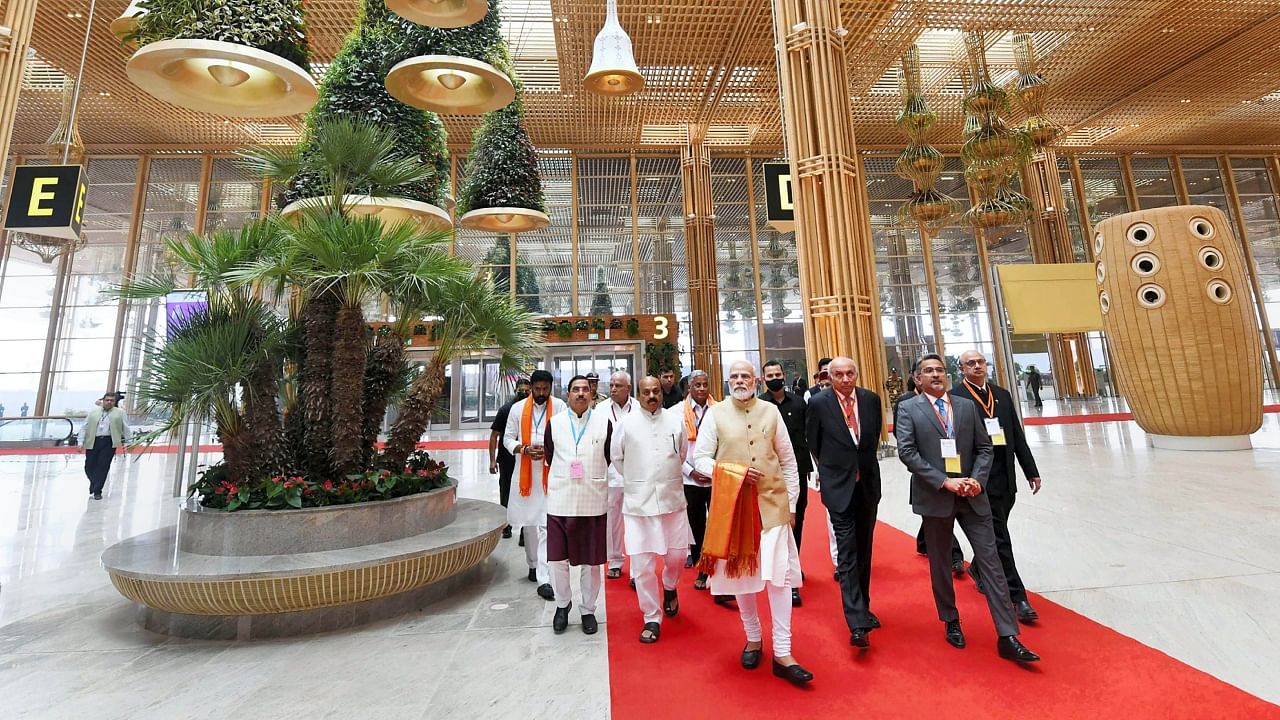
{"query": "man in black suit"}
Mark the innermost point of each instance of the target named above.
(998, 412)
(501, 462)
(792, 410)
(946, 447)
(843, 429)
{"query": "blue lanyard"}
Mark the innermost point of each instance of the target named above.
(573, 427)
(537, 418)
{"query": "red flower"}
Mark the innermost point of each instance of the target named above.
(327, 485)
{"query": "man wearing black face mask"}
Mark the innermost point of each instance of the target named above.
(792, 409)
(501, 462)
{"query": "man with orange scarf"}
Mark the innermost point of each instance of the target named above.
(527, 509)
(744, 447)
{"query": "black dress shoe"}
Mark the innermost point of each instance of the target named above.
(506, 533)
(835, 576)
(1011, 648)
(875, 621)
(751, 658)
(955, 635)
(545, 592)
(858, 638)
(957, 568)
(793, 674)
(97, 496)
(1026, 613)
(723, 599)
(796, 601)
(589, 625)
(561, 620)
(533, 575)
(977, 580)
(521, 538)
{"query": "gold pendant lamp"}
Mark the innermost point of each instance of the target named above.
(440, 13)
(181, 65)
(391, 211)
(613, 70)
(450, 85)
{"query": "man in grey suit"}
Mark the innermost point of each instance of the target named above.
(948, 451)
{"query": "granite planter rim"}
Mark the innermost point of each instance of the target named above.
(191, 505)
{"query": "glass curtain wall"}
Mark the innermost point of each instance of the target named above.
(1257, 197)
(661, 259)
(1153, 179)
(781, 316)
(735, 268)
(26, 303)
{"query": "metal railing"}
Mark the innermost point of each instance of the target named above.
(41, 431)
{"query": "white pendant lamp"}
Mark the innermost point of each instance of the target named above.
(613, 68)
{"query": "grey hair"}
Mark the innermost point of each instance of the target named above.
(625, 376)
(697, 373)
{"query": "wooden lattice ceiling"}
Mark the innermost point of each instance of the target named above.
(1125, 73)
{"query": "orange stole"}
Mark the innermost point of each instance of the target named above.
(526, 462)
(733, 524)
(690, 424)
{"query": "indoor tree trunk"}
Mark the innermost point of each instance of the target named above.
(319, 314)
(347, 410)
(383, 367)
(415, 414)
(265, 434)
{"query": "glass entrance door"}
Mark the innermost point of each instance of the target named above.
(481, 391)
(603, 360)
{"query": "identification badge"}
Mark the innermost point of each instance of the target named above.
(951, 455)
(576, 470)
(995, 431)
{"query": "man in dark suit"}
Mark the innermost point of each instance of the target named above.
(792, 410)
(843, 429)
(501, 462)
(957, 555)
(998, 412)
(946, 447)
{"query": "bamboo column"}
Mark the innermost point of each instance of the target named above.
(19, 17)
(833, 230)
(1051, 243)
(700, 253)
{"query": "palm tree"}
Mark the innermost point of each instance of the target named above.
(251, 429)
(469, 316)
(195, 374)
(340, 263)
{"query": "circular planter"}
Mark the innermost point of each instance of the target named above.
(283, 532)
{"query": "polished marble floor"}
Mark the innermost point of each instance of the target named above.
(1178, 550)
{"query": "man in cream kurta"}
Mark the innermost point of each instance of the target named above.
(527, 506)
(617, 407)
(749, 432)
(653, 505)
(577, 442)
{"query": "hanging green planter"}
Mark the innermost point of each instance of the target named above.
(239, 58)
(503, 189)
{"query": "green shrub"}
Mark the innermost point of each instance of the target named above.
(275, 26)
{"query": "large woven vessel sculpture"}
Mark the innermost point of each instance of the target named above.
(1176, 307)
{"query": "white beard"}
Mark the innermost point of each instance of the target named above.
(742, 393)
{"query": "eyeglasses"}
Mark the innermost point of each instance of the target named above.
(974, 363)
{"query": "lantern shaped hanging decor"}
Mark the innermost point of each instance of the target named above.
(613, 67)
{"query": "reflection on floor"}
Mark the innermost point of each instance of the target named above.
(1175, 549)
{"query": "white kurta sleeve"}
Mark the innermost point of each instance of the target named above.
(615, 450)
(511, 433)
(787, 460)
(704, 453)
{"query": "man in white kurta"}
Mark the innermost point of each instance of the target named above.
(750, 433)
(577, 442)
(527, 507)
(653, 506)
(618, 406)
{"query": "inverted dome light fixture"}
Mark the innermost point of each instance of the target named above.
(440, 13)
(124, 25)
(222, 78)
(505, 220)
(450, 85)
(390, 210)
(613, 70)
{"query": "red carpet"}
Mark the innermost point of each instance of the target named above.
(433, 445)
(1088, 671)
